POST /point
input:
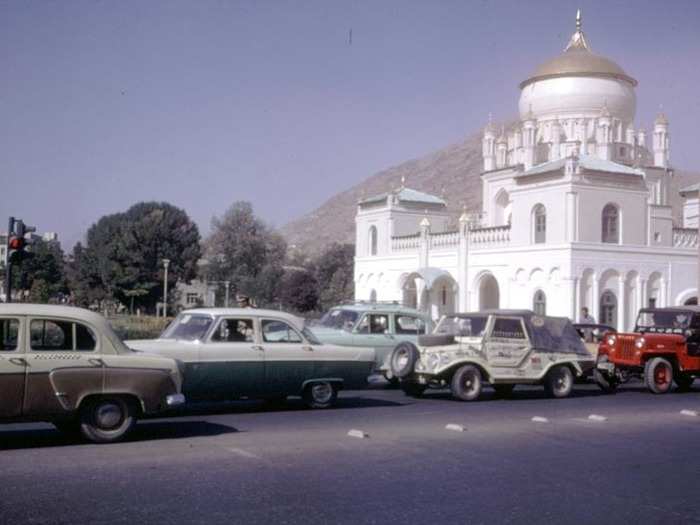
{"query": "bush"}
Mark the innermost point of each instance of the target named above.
(141, 327)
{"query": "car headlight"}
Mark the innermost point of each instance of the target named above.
(640, 342)
(611, 340)
(433, 361)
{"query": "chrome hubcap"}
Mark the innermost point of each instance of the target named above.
(108, 415)
(322, 392)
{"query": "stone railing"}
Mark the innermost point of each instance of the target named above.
(488, 237)
(685, 237)
(445, 239)
(406, 242)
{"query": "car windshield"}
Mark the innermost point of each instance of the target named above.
(663, 321)
(339, 318)
(462, 325)
(310, 337)
(188, 327)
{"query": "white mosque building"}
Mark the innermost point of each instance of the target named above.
(576, 211)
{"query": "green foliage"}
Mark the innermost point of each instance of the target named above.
(138, 327)
(125, 252)
(43, 273)
(300, 290)
(334, 271)
(243, 250)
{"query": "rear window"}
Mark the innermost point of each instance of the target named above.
(50, 334)
(508, 329)
(9, 329)
(462, 326)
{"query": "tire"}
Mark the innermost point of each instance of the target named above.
(436, 340)
(321, 394)
(683, 381)
(559, 382)
(658, 375)
(107, 419)
(403, 359)
(413, 389)
(392, 380)
(466, 383)
(503, 390)
(606, 382)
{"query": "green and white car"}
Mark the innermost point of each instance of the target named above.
(233, 353)
(503, 348)
(378, 325)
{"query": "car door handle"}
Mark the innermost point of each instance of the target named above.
(96, 361)
(19, 361)
(258, 348)
(307, 348)
(388, 336)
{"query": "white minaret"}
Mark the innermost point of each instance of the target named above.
(501, 150)
(661, 141)
(488, 145)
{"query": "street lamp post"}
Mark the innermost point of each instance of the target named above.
(166, 263)
(227, 284)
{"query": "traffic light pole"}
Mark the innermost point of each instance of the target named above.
(8, 262)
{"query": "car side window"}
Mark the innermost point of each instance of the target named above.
(507, 329)
(9, 330)
(53, 335)
(234, 331)
(374, 324)
(407, 324)
(279, 332)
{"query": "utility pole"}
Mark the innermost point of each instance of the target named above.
(166, 263)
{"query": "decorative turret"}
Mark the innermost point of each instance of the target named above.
(488, 144)
(604, 136)
(529, 132)
(661, 141)
(556, 140)
(501, 149)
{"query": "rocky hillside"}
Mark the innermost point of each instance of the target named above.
(452, 172)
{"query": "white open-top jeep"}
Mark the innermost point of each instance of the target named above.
(500, 347)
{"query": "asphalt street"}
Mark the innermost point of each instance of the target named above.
(247, 463)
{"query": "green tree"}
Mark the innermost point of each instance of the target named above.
(300, 290)
(43, 273)
(125, 252)
(334, 271)
(243, 250)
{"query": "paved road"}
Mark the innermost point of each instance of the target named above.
(242, 463)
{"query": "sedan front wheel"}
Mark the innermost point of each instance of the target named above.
(320, 395)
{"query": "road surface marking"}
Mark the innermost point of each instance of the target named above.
(455, 427)
(692, 413)
(358, 434)
(243, 453)
(597, 417)
(539, 419)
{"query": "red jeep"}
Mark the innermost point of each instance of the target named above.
(664, 348)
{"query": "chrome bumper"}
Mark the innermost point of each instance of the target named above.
(174, 400)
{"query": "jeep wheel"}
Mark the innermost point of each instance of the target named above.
(466, 383)
(107, 419)
(403, 359)
(559, 382)
(658, 375)
(320, 395)
(413, 389)
(683, 381)
(606, 382)
(503, 391)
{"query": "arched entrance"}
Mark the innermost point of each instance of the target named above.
(431, 290)
(608, 308)
(489, 294)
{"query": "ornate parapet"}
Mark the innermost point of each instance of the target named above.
(685, 237)
(405, 243)
(489, 237)
(444, 240)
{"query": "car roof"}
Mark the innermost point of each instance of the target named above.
(392, 307)
(51, 310)
(685, 308)
(246, 312)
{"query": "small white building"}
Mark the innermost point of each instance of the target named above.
(576, 211)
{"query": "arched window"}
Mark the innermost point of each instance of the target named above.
(608, 308)
(611, 224)
(539, 303)
(539, 224)
(373, 240)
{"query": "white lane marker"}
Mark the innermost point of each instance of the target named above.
(455, 427)
(691, 413)
(243, 453)
(358, 434)
(539, 419)
(597, 417)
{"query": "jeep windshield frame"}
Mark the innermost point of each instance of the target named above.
(662, 321)
(462, 325)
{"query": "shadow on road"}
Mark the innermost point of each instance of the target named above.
(144, 431)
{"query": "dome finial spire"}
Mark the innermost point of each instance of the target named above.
(578, 41)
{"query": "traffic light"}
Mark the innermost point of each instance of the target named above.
(19, 237)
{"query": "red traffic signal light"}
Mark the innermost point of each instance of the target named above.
(15, 243)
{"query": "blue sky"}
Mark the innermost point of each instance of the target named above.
(103, 104)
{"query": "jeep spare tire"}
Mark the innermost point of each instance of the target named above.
(403, 359)
(436, 340)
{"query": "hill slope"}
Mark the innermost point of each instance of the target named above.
(451, 172)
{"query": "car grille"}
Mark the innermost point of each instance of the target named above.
(626, 348)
